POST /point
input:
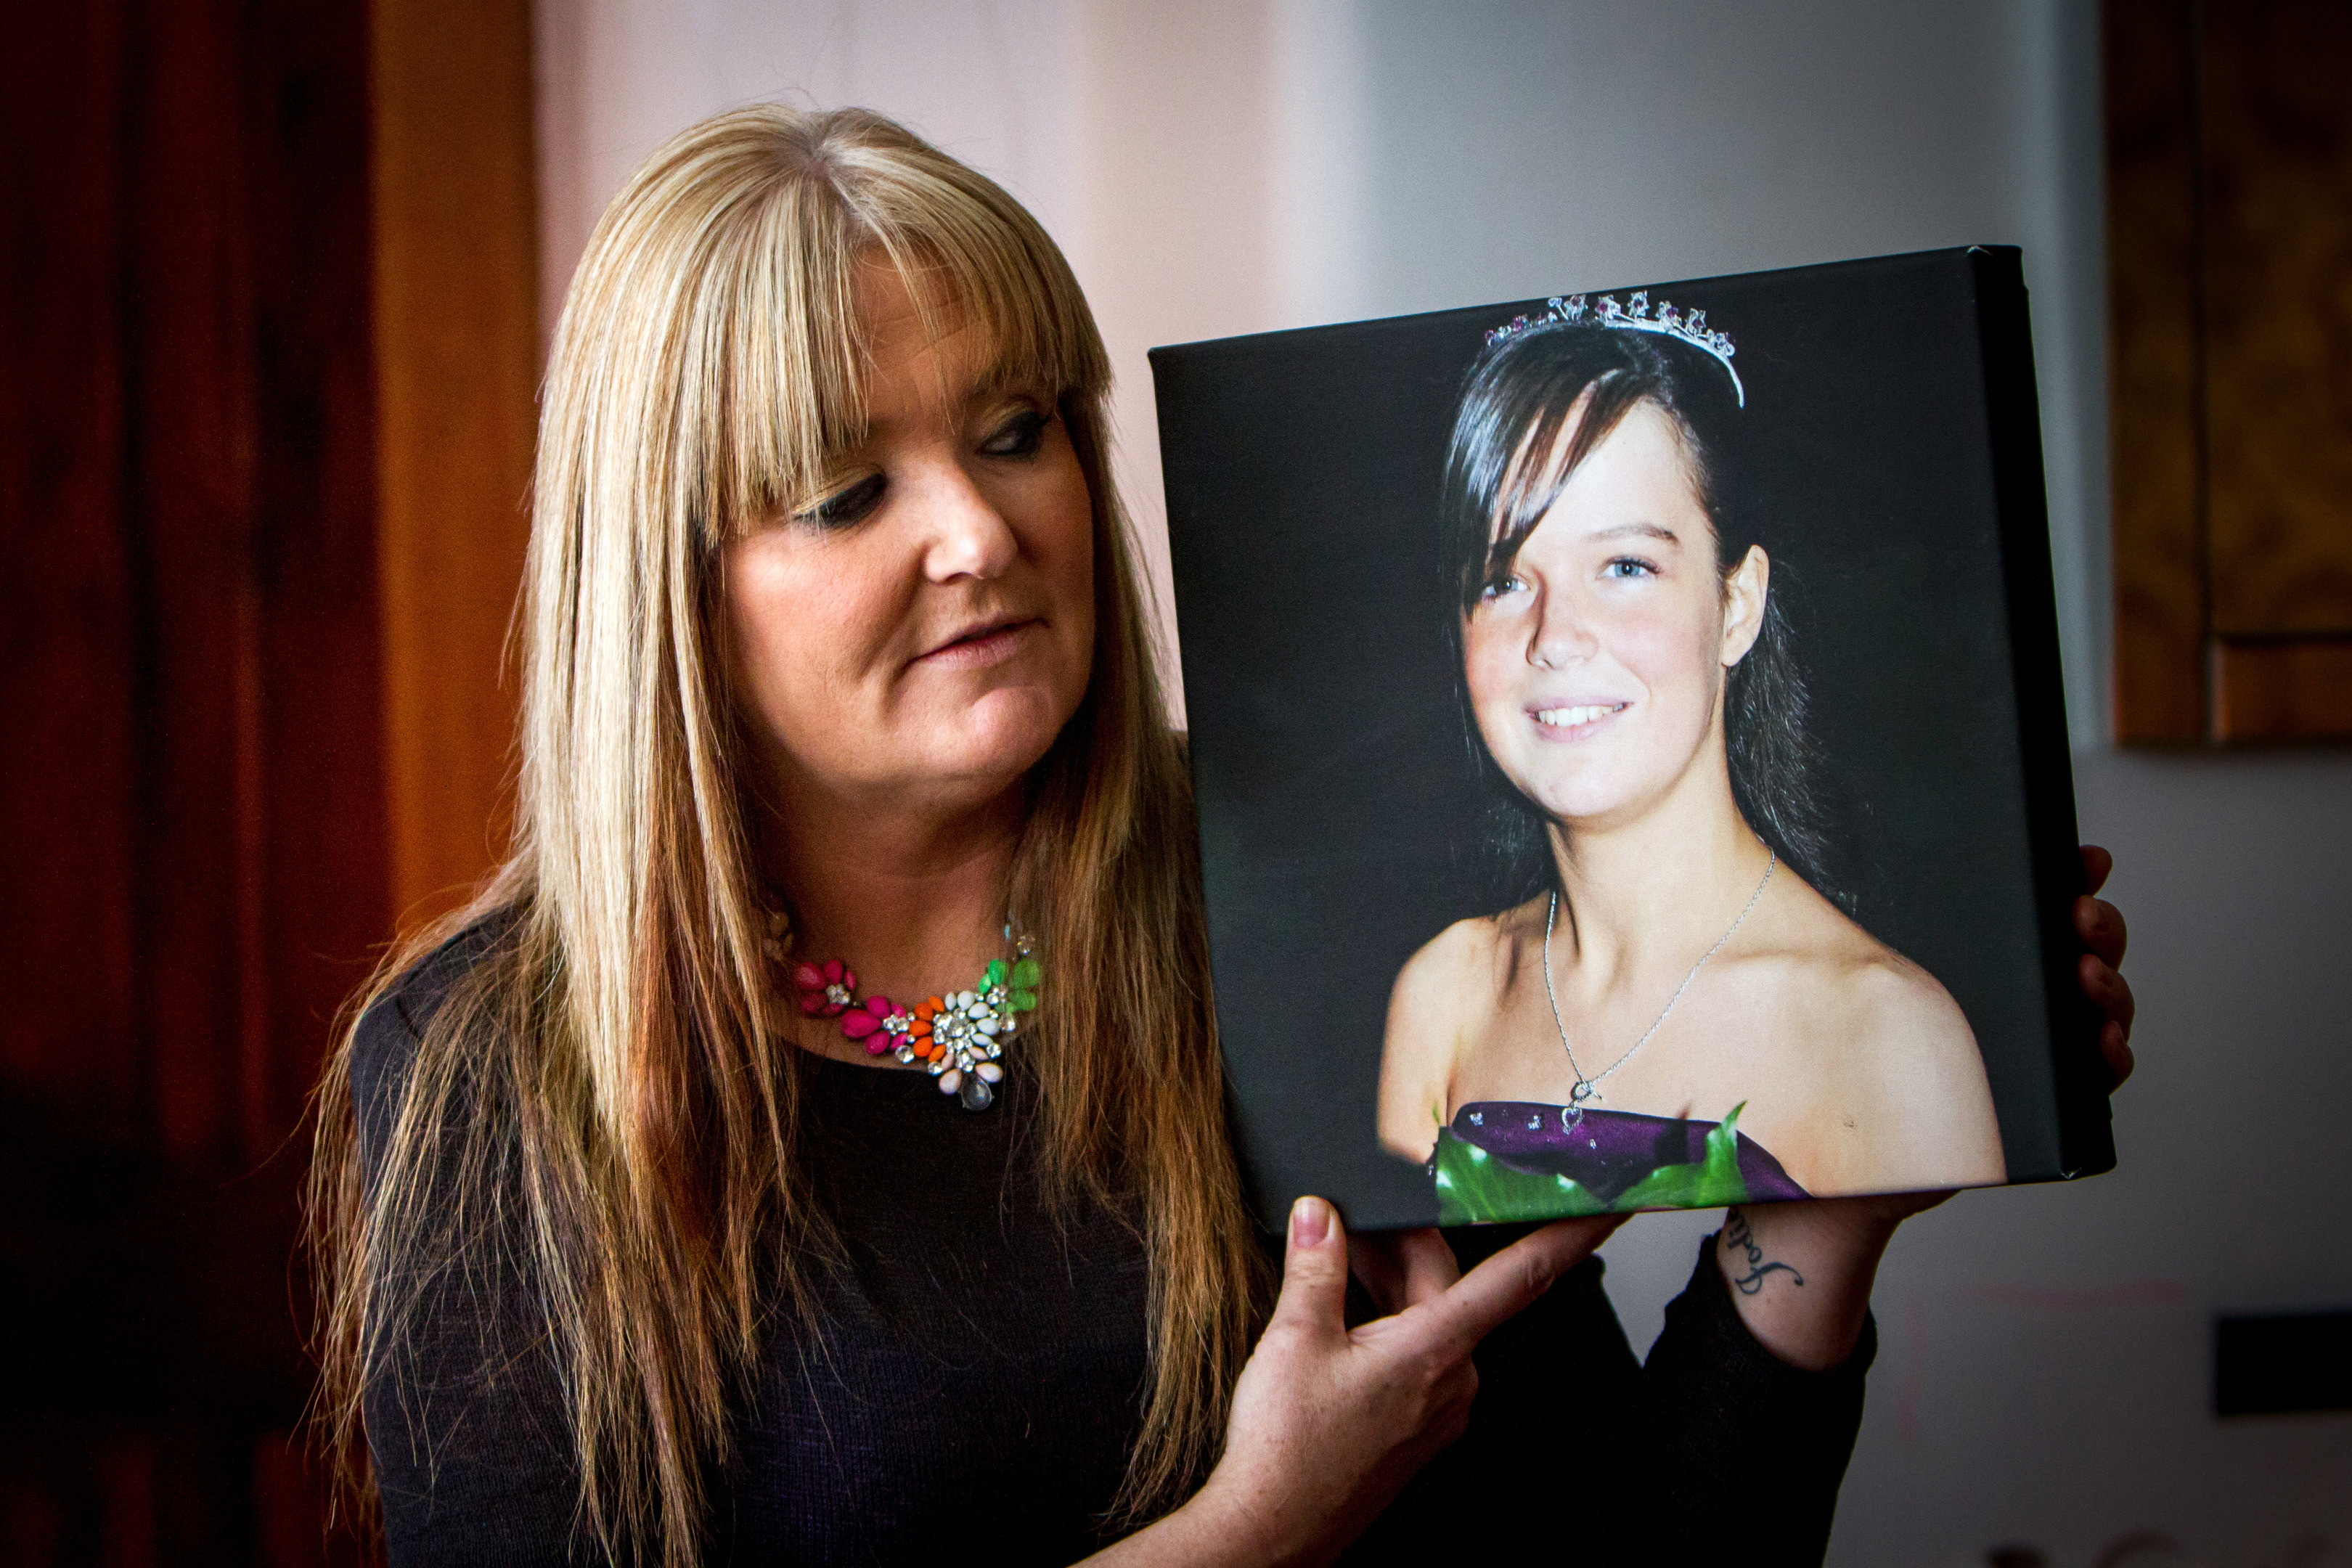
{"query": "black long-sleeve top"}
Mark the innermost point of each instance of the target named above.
(978, 1381)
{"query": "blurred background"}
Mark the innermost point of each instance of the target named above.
(279, 278)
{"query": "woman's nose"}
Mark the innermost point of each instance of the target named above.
(967, 536)
(1563, 634)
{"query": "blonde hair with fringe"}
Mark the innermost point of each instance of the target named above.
(606, 1101)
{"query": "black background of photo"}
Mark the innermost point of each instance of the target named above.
(1338, 799)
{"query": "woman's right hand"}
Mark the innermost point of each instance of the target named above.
(1329, 1422)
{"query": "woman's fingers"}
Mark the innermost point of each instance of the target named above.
(1400, 1268)
(2113, 994)
(2101, 926)
(1511, 1281)
(1429, 1266)
(1314, 1271)
(1379, 1265)
(1328, 1424)
(2116, 1046)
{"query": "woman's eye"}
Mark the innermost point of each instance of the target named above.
(1502, 585)
(852, 503)
(1629, 566)
(1019, 436)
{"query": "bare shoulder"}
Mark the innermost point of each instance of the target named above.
(1455, 957)
(1864, 995)
(1903, 1011)
(1900, 1060)
(1439, 1000)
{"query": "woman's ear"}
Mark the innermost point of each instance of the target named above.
(1744, 592)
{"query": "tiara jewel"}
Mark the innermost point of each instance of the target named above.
(1635, 315)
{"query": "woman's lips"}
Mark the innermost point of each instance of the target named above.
(979, 649)
(1574, 721)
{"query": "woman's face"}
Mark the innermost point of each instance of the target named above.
(918, 635)
(1595, 668)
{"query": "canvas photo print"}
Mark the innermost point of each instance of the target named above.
(1629, 758)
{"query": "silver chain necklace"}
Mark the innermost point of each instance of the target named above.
(1585, 1089)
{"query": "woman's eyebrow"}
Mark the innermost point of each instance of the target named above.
(956, 397)
(998, 379)
(1637, 531)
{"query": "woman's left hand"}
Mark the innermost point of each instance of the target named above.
(1801, 1272)
(2101, 926)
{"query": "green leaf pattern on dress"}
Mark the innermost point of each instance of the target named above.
(1474, 1187)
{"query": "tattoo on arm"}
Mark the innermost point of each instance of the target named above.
(1739, 1240)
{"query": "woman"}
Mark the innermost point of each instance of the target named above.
(1628, 675)
(646, 1230)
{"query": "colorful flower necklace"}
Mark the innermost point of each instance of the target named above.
(958, 1037)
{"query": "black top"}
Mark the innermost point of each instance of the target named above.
(979, 1377)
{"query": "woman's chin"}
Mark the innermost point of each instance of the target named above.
(1582, 815)
(1589, 795)
(998, 739)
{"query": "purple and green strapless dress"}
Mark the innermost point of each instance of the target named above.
(1513, 1159)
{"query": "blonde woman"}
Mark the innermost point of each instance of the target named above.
(812, 1146)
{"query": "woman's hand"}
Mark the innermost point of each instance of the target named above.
(1329, 1422)
(2101, 926)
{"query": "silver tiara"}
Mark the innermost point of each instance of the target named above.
(1633, 316)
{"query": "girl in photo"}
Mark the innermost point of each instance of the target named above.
(1674, 1013)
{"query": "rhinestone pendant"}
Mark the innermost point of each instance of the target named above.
(974, 1092)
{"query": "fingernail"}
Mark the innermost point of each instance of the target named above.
(1310, 1222)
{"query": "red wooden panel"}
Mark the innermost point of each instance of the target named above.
(190, 498)
(2155, 373)
(2285, 689)
(2278, 115)
(192, 846)
(457, 338)
(324, 904)
(66, 665)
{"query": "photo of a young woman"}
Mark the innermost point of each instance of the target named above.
(1672, 1012)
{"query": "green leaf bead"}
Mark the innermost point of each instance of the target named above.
(994, 975)
(1021, 1001)
(1025, 974)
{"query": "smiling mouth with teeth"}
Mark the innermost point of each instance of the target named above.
(1568, 718)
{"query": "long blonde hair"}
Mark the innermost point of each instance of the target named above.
(606, 1101)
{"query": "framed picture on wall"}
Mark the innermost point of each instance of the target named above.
(1629, 746)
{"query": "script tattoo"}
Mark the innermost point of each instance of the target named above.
(1739, 1238)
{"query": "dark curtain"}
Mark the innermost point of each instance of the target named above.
(192, 802)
